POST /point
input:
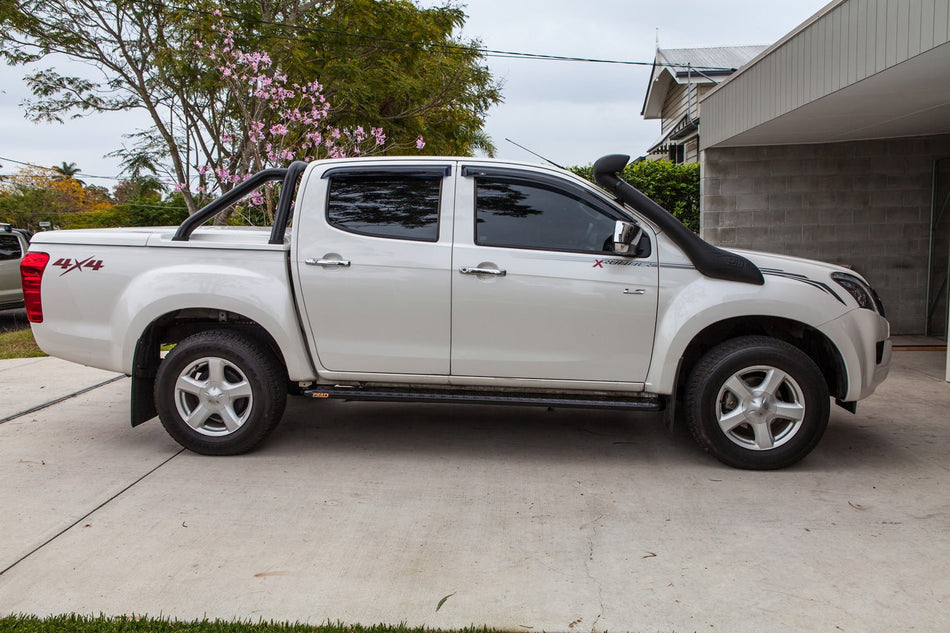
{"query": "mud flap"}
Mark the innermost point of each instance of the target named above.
(143, 400)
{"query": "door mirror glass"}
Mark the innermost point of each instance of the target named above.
(626, 237)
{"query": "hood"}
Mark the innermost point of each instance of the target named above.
(813, 269)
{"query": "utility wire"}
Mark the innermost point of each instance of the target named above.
(78, 173)
(487, 52)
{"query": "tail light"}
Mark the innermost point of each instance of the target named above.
(31, 274)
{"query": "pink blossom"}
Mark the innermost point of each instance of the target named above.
(420, 142)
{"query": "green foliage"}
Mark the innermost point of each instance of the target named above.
(171, 212)
(32, 196)
(673, 187)
(438, 89)
(135, 624)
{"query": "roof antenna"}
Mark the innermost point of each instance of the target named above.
(535, 153)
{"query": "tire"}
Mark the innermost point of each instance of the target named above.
(757, 403)
(220, 392)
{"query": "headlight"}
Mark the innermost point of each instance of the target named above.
(862, 293)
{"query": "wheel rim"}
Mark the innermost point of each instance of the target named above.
(760, 408)
(213, 396)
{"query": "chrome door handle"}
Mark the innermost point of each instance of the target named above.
(310, 261)
(468, 270)
(638, 291)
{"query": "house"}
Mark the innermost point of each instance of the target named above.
(834, 144)
(678, 81)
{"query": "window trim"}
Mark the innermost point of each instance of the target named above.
(441, 173)
(566, 188)
(417, 171)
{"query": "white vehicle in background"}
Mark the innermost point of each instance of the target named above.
(459, 280)
(13, 245)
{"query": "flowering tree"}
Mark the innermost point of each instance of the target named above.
(274, 122)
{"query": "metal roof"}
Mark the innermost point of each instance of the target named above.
(691, 65)
(720, 58)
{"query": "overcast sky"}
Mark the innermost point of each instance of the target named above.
(570, 112)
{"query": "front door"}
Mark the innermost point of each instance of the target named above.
(537, 292)
(374, 272)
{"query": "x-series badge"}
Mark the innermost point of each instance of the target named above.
(68, 265)
(600, 263)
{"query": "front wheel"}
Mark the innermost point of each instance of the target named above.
(220, 392)
(757, 403)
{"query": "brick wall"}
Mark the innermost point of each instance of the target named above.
(866, 204)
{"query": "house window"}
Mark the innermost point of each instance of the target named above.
(677, 153)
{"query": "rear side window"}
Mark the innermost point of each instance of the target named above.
(9, 247)
(396, 206)
(512, 213)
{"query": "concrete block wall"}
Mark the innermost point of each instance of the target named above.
(864, 204)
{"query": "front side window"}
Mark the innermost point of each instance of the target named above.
(517, 213)
(9, 247)
(396, 206)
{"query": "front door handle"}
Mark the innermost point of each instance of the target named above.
(310, 261)
(472, 270)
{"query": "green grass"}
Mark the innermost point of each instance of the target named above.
(135, 624)
(19, 344)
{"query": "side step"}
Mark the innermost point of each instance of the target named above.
(464, 396)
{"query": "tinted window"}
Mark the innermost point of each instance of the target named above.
(9, 247)
(401, 206)
(520, 214)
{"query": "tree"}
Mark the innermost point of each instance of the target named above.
(66, 169)
(34, 194)
(138, 188)
(147, 53)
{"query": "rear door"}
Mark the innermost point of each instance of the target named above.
(537, 292)
(373, 262)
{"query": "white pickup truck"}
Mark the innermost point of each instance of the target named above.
(459, 280)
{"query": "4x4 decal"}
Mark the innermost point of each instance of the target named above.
(90, 263)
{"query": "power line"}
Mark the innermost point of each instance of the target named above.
(78, 173)
(487, 52)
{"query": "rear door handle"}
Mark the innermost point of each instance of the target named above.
(310, 261)
(472, 270)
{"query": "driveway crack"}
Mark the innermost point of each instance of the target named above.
(88, 514)
(587, 562)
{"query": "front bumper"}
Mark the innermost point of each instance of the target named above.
(862, 338)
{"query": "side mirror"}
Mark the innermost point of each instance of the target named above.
(626, 237)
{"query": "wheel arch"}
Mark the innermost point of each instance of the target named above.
(172, 327)
(815, 344)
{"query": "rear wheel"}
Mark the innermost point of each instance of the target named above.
(220, 392)
(758, 403)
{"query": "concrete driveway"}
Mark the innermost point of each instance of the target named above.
(527, 519)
